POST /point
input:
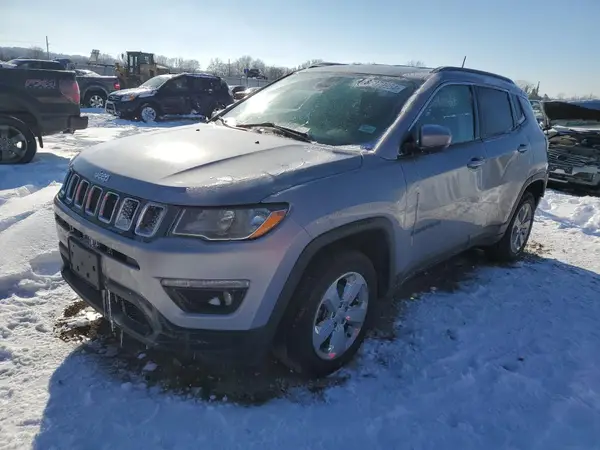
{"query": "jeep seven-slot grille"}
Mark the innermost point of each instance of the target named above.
(111, 208)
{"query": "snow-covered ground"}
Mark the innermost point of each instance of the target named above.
(509, 360)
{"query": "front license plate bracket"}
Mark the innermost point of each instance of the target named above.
(85, 263)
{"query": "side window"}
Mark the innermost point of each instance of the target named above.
(201, 84)
(452, 107)
(495, 111)
(518, 112)
(177, 85)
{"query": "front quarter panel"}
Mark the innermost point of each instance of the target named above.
(376, 190)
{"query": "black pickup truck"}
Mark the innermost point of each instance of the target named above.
(35, 103)
(94, 88)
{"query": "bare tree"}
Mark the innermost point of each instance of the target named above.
(191, 65)
(162, 60)
(242, 63)
(217, 67)
(415, 63)
(36, 52)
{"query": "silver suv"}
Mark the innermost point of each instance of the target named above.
(279, 223)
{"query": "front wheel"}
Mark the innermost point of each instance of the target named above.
(515, 238)
(329, 314)
(148, 113)
(17, 142)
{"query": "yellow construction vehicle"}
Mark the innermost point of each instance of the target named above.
(138, 67)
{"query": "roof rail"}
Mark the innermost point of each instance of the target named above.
(468, 70)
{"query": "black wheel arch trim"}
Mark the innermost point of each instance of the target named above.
(317, 244)
(94, 88)
(538, 176)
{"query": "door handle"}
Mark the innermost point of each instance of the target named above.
(476, 163)
(523, 148)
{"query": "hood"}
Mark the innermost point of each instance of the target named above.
(133, 91)
(210, 165)
(572, 111)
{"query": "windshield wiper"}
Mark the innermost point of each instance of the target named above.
(289, 132)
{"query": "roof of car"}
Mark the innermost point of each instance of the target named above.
(400, 70)
(200, 75)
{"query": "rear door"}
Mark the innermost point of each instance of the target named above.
(507, 149)
(446, 185)
(174, 96)
(202, 95)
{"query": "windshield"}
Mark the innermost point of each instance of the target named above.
(156, 82)
(331, 108)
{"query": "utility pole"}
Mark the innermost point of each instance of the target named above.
(47, 48)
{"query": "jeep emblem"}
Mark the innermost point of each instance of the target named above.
(102, 176)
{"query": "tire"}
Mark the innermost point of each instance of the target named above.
(11, 129)
(95, 99)
(148, 113)
(297, 345)
(506, 250)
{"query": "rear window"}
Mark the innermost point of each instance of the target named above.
(495, 111)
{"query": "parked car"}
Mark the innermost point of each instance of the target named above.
(95, 88)
(244, 93)
(573, 131)
(171, 94)
(35, 103)
(234, 89)
(280, 223)
(36, 64)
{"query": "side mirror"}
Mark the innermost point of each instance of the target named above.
(432, 137)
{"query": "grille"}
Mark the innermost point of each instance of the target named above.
(126, 213)
(562, 159)
(110, 208)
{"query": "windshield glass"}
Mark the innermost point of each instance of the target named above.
(331, 108)
(156, 82)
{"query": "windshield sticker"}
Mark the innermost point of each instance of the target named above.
(367, 129)
(382, 85)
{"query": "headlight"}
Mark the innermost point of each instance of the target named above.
(127, 98)
(227, 224)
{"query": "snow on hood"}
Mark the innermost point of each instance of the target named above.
(134, 91)
(209, 164)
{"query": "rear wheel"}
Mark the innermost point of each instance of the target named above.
(95, 100)
(17, 142)
(329, 314)
(515, 238)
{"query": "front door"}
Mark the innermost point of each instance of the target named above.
(174, 96)
(445, 186)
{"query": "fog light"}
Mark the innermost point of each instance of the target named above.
(206, 296)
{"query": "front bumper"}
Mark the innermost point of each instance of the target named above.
(121, 108)
(137, 317)
(132, 270)
(588, 176)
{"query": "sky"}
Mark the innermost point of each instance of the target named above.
(549, 41)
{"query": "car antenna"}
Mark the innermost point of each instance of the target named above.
(463, 63)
